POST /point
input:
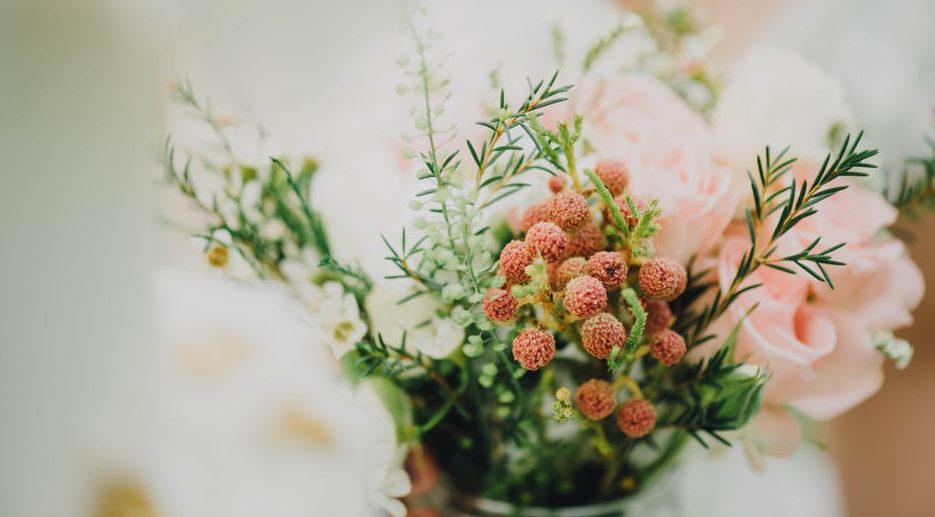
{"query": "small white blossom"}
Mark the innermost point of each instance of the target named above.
(273, 229)
(899, 350)
(438, 339)
(632, 21)
(386, 487)
(250, 199)
(337, 317)
(417, 319)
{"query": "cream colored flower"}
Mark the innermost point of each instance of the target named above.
(418, 319)
(387, 486)
(337, 317)
(438, 339)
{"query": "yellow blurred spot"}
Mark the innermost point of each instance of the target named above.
(124, 498)
(218, 255)
(296, 424)
(628, 484)
(226, 120)
(214, 356)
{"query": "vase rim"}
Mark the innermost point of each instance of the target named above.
(473, 505)
(494, 507)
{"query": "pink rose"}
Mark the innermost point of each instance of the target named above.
(880, 284)
(671, 152)
(816, 340)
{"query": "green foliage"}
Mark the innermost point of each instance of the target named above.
(264, 214)
(639, 320)
(353, 276)
(916, 185)
(715, 395)
(634, 237)
(601, 46)
(782, 207)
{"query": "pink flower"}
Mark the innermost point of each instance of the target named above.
(880, 284)
(816, 340)
(813, 352)
(671, 154)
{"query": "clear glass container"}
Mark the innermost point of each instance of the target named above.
(659, 500)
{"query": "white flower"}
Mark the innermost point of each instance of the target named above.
(300, 271)
(899, 350)
(418, 318)
(337, 317)
(386, 486)
(388, 480)
(438, 339)
(250, 199)
(777, 98)
(273, 229)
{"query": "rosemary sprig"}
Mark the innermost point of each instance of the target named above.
(788, 206)
(916, 187)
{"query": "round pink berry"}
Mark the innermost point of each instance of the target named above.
(569, 269)
(585, 296)
(624, 207)
(556, 184)
(608, 267)
(658, 316)
(668, 347)
(535, 214)
(595, 399)
(514, 259)
(533, 348)
(570, 211)
(601, 333)
(636, 417)
(548, 240)
(662, 279)
(586, 241)
(499, 305)
(614, 174)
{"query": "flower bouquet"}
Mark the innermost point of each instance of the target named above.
(603, 276)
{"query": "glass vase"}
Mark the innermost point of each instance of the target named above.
(659, 500)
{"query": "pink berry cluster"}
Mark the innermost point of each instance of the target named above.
(596, 400)
(566, 236)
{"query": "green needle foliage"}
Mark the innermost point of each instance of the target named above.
(777, 207)
(715, 395)
(915, 190)
(264, 214)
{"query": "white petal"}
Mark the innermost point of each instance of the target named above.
(333, 290)
(349, 307)
(397, 484)
(394, 507)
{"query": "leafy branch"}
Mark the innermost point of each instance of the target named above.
(484, 156)
(714, 395)
(601, 46)
(313, 221)
(185, 93)
(785, 207)
(633, 234)
(635, 336)
(916, 188)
